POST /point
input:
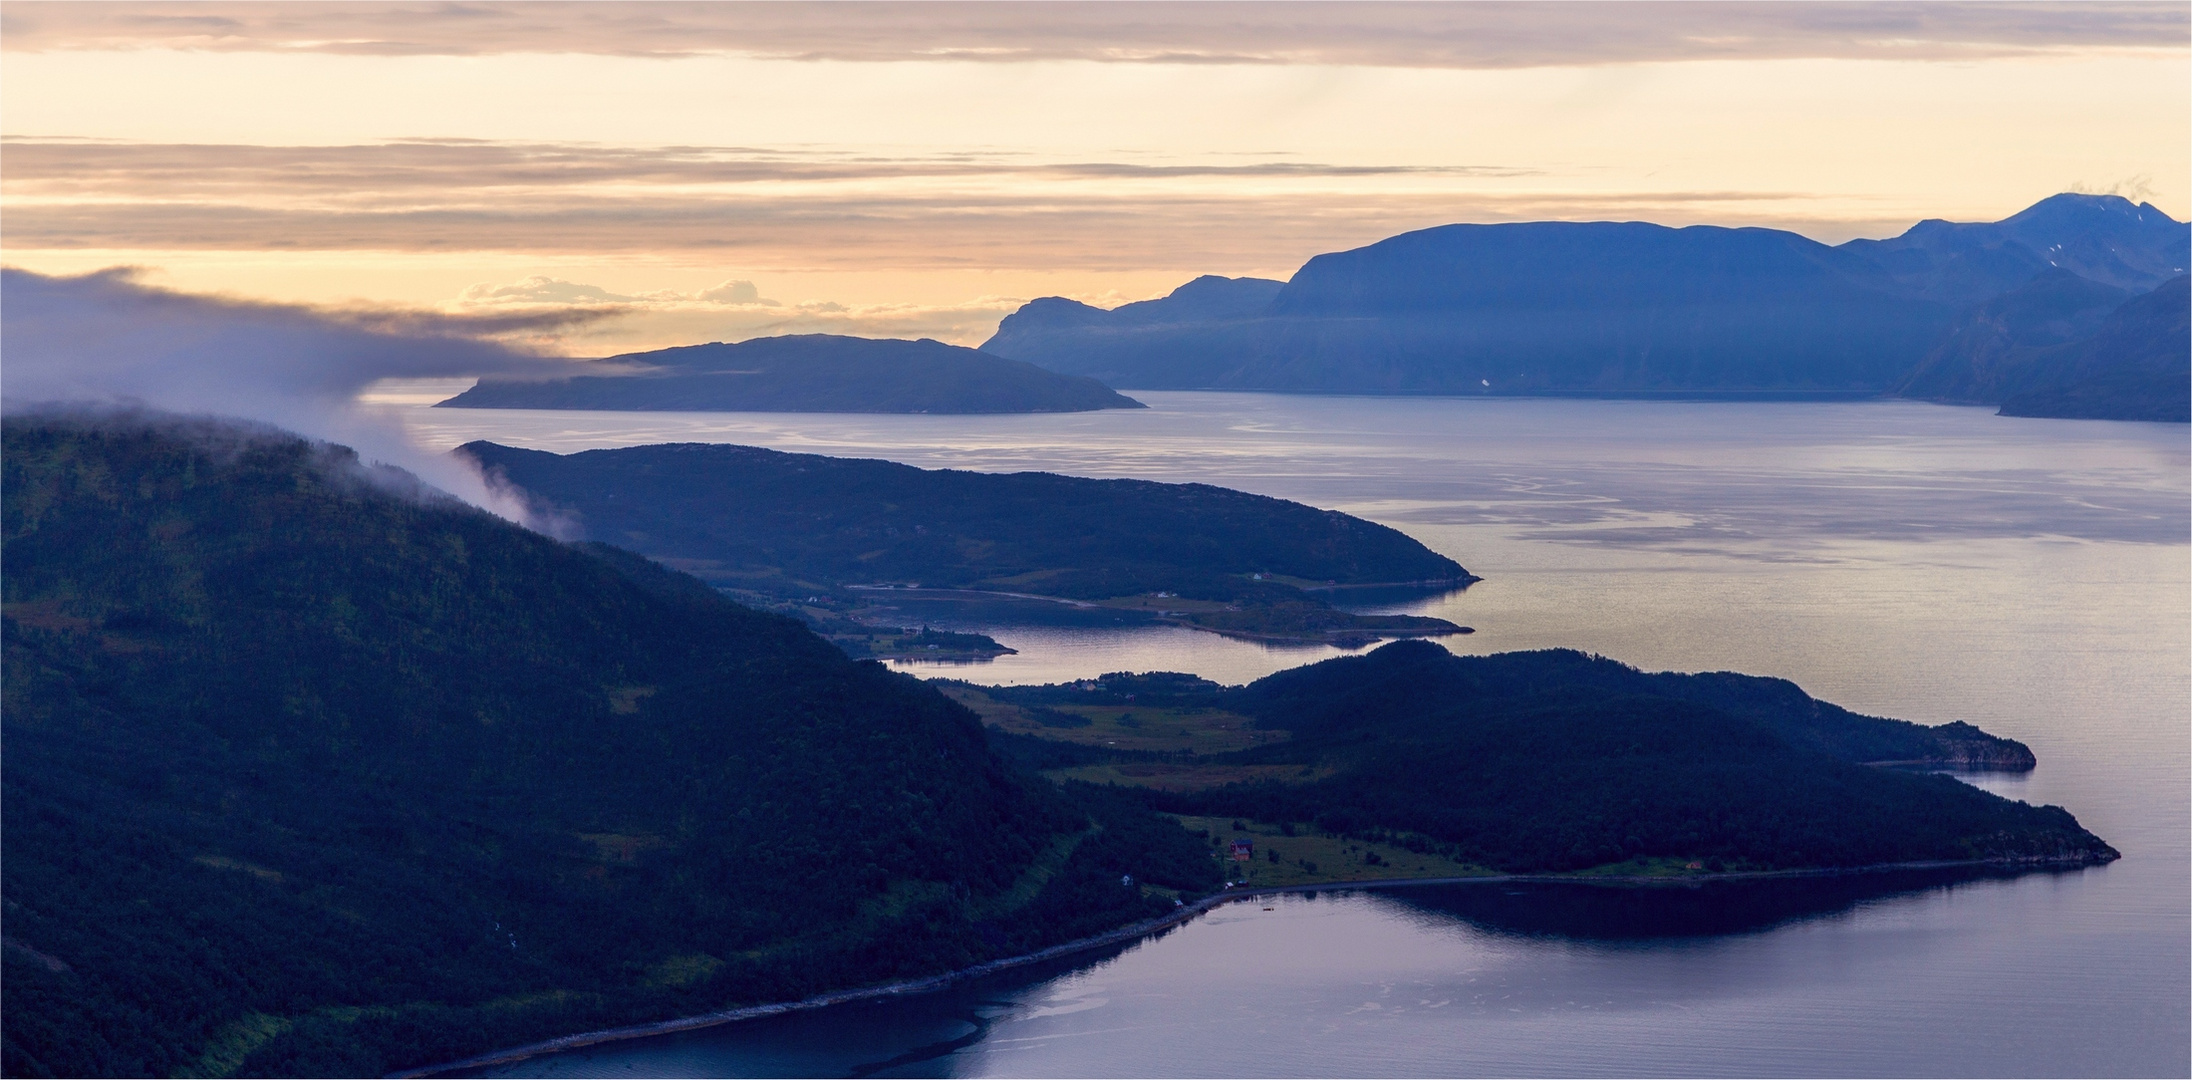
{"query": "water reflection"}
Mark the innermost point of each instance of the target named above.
(1613, 913)
(1387, 599)
(1050, 654)
(1480, 953)
(963, 610)
(1061, 642)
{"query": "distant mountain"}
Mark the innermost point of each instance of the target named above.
(807, 373)
(1205, 299)
(311, 771)
(802, 526)
(1552, 306)
(1997, 348)
(2103, 238)
(2137, 366)
(1602, 308)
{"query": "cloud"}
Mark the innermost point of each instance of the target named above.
(735, 292)
(562, 294)
(403, 168)
(778, 210)
(1116, 230)
(2137, 188)
(731, 311)
(542, 290)
(1473, 35)
(108, 339)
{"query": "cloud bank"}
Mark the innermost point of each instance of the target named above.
(107, 339)
(1375, 34)
(776, 209)
(405, 167)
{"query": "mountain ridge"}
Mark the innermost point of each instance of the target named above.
(1608, 308)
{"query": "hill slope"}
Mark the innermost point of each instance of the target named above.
(312, 771)
(1996, 348)
(808, 373)
(2137, 366)
(790, 525)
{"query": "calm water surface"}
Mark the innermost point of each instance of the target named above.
(1928, 563)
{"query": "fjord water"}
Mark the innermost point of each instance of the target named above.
(1900, 559)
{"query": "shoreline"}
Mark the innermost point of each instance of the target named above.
(1135, 931)
(1353, 637)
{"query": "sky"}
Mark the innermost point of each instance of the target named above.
(581, 180)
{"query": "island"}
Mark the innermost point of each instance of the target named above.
(832, 539)
(805, 373)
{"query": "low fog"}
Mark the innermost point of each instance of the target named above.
(107, 339)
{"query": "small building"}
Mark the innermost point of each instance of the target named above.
(1244, 849)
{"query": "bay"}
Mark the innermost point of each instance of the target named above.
(1901, 559)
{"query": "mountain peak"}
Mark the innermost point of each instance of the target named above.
(2077, 212)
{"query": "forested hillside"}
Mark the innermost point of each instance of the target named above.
(1555, 761)
(791, 525)
(311, 770)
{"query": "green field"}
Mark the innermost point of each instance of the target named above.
(1310, 857)
(1125, 727)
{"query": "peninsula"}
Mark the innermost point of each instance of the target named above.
(837, 538)
(1413, 762)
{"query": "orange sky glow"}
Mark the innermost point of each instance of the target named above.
(704, 172)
